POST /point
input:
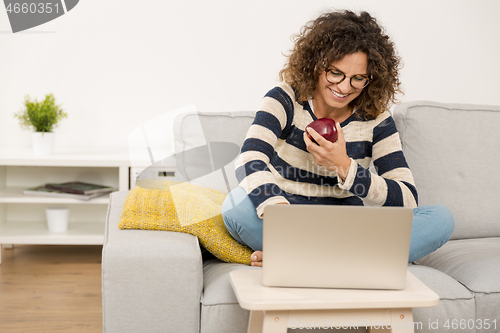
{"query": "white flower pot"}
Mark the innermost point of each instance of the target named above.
(43, 143)
(57, 218)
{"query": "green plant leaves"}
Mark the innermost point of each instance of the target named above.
(41, 116)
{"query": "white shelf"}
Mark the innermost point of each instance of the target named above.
(15, 195)
(67, 159)
(78, 233)
(22, 217)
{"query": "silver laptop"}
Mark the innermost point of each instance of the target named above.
(336, 246)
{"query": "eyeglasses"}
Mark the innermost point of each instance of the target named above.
(358, 81)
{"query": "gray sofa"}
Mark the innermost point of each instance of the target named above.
(157, 281)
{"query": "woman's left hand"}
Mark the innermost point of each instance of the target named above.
(332, 156)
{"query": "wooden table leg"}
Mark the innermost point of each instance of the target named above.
(275, 322)
(255, 322)
(402, 321)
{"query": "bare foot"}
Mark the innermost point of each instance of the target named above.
(256, 259)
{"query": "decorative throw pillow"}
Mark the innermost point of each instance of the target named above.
(183, 207)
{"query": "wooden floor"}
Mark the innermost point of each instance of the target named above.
(51, 288)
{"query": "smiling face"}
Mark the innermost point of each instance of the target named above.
(332, 100)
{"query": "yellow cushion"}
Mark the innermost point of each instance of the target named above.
(183, 207)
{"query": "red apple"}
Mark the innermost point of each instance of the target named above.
(325, 127)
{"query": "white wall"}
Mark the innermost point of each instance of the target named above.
(114, 64)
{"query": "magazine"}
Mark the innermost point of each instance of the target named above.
(43, 191)
(79, 188)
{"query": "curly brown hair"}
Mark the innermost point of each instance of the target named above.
(331, 37)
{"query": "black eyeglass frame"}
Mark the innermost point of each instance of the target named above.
(368, 79)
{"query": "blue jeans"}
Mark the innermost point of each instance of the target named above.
(431, 228)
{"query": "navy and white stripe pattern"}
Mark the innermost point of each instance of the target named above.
(275, 167)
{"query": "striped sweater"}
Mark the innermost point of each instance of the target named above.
(275, 167)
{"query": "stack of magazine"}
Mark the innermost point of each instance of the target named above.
(75, 190)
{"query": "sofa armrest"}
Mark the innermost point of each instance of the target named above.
(151, 280)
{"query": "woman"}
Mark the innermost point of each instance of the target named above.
(345, 68)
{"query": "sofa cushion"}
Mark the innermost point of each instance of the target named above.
(455, 301)
(443, 285)
(183, 207)
(475, 263)
(198, 129)
(216, 284)
(452, 150)
(220, 310)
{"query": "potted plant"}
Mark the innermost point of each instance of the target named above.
(42, 117)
